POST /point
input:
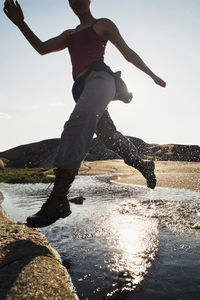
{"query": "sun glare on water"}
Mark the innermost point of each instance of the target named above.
(136, 241)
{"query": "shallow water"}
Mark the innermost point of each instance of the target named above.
(124, 242)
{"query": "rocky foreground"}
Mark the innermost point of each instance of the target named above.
(29, 267)
(41, 154)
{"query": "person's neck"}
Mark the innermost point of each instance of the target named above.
(86, 18)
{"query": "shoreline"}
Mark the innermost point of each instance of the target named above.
(169, 174)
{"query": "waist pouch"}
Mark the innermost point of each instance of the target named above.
(122, 92)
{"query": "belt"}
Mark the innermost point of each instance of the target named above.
(122, 92)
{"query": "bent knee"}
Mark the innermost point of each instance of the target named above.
(82, 119)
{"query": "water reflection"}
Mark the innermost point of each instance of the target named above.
(137, 245)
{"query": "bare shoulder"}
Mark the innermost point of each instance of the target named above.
(59, 42)
(66, 32)
(64, 36)
(104, 27)
(104, 23)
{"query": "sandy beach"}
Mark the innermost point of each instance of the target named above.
(172, 174)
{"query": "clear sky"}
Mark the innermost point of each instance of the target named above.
(35, 91)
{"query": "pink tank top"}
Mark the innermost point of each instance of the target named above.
(85, 47)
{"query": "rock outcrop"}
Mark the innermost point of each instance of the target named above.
(34, 155)
(41, 154)
(29, 267)
(174, 152)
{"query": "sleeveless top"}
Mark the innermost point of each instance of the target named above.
(85, 47)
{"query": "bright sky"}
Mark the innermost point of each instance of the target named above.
(35, 91)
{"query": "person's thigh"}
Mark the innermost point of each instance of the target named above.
(98, 92)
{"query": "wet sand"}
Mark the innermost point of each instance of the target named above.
(172, 174)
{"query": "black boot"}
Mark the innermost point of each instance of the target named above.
(57, 205)
(147, 168)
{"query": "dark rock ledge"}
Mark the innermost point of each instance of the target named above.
(29, 267)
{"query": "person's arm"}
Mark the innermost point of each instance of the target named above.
(15, 14)
(112, 34)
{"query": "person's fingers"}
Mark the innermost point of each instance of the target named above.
(18, 6)
(5, 11)
(160, 82)
(7, 4)
(163, 84)
(12, 3)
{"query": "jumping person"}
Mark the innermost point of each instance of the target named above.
(95, 85)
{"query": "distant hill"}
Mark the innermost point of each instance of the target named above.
(41, 154)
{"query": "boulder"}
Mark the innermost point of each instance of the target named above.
(29, 267)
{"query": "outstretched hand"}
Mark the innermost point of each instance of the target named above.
(13, 11)
(159, 81)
